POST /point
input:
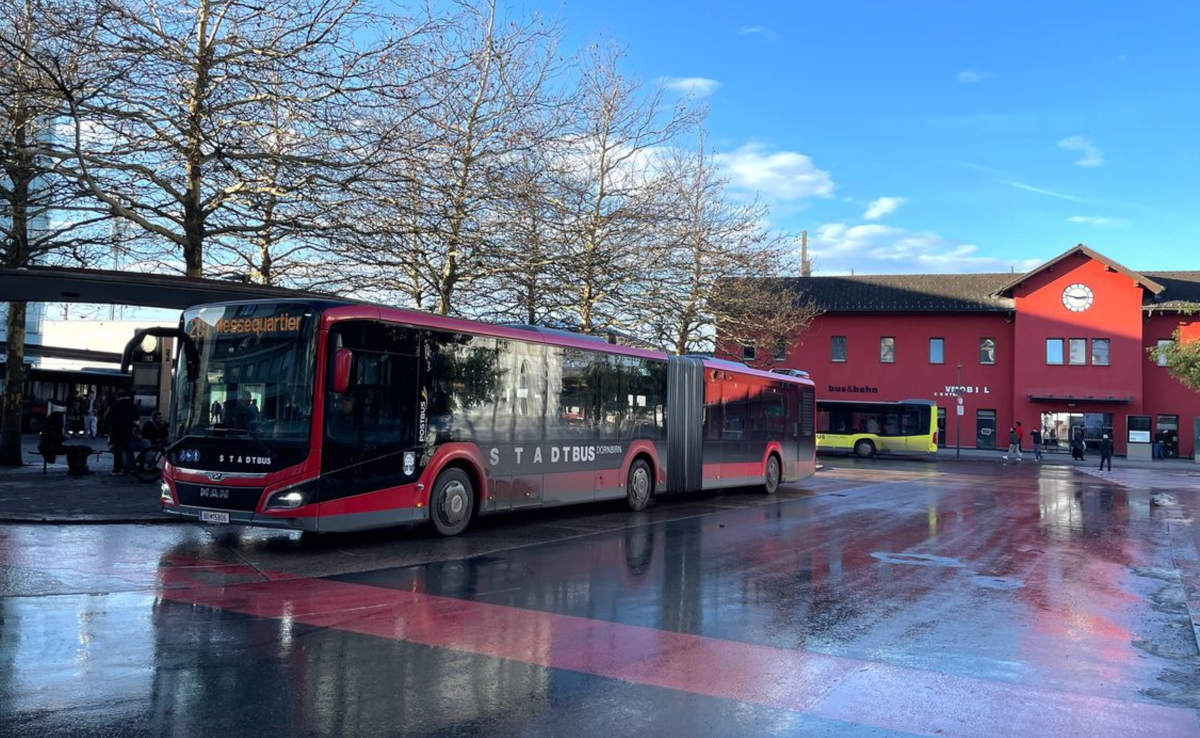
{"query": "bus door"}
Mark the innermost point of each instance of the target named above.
(526, 364)
(370, 442)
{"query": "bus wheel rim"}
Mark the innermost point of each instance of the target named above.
(454, 502)
(641, 483)
(773, 471)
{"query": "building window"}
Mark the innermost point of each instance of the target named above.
(987, 351)
(781, 348)
(1054, 351)
(937, 351)
(1162, 343)
(887, 350)
(837, 348)
(747, 352)
(1077, 348)
(1100, 352)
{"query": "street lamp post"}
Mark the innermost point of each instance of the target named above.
(958, 411)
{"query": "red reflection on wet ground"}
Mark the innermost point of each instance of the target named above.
(852, 690)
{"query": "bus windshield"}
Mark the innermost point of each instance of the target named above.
(254, 375)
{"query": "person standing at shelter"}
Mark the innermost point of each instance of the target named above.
(89, 416)
(1014, 444)
(1106, 451)
(121, 421)
(1035, 436)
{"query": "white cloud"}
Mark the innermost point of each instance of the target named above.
(779, 175)
(876, 209)
(762, 31)
(1090, 156)
(872, 248)
(690, 86)
(971, 76)
(1098, 220)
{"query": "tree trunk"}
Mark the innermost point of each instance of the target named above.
(14, 380)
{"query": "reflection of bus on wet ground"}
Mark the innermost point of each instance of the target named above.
(869, 428)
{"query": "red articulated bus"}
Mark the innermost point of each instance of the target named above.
(327, 416)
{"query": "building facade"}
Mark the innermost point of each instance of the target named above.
(1063, 347)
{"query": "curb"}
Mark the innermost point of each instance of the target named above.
(156, 519)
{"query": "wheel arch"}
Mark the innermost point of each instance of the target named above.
(459, 456)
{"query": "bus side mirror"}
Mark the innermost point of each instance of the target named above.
(342, 362)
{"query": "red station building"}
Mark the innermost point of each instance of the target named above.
(1063, 347)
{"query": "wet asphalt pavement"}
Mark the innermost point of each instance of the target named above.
(878, 598)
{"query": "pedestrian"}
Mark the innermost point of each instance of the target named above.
(89, 416)
(1035, 435)
(1014, 444)
(1077, 447)
(215, 412)
(1020, 436)
(1106, 449)
(122, 418)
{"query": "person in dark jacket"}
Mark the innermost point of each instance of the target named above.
(121, 421)
(1106, 451)
(1014, 444)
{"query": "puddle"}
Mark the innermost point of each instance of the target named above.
(916, 559)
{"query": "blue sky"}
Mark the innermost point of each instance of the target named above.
(1001, 133)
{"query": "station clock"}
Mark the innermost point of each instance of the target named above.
(1077, 297)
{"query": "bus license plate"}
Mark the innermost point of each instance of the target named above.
(209, 516)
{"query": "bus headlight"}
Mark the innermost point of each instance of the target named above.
(164, 494)
(290, 498)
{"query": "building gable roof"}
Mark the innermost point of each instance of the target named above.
(968, 293)
(1145, 282)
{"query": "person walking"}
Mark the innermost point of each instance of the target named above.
(1106, 451)
(1014, 444)
(1035, 435)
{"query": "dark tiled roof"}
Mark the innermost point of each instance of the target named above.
(920, 293)
(931, 293)
(1182, 291)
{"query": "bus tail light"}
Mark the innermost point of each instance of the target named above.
(290, 498)
(935, 439)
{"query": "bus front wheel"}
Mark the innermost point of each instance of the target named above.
(452, 502)
(864, 449)
(639, 486)
(772, 475)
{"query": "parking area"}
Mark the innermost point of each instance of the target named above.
(879, 597)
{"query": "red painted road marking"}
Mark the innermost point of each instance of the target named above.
(861, 692)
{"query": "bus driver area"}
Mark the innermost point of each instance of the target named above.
(323, 416)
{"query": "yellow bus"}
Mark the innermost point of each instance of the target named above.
(869, 428)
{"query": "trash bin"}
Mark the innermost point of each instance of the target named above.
(77, 460)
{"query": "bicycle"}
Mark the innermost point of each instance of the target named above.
(148, 464)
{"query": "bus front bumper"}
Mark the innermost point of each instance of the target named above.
(242, 517)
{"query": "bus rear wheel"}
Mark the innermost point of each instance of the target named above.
(772, 475)
(864, 449)
(639, 485)
(452, 502)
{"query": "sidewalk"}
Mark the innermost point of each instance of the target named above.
(28, 496)
(1064, 459)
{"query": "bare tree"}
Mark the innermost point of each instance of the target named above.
(478, 103)
(711, 239)
(41, 218)
(605, 191)
(179, 131)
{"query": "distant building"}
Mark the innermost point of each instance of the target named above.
(1063, 347)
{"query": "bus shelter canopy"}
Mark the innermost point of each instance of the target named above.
(107, 287)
